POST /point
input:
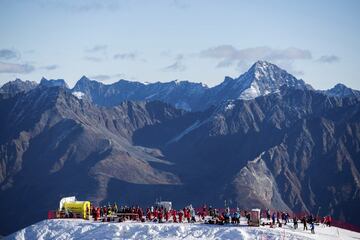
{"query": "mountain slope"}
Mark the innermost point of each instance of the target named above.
(270, 152)
(52, 142)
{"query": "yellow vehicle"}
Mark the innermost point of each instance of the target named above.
(76, 208)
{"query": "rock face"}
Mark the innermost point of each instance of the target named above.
(53, 83)
(289, 148)
(14, 87)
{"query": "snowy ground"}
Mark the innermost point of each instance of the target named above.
(80, 229)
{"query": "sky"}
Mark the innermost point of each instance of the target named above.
(164, 40)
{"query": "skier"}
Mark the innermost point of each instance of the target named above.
(295, 222)
(312, 227)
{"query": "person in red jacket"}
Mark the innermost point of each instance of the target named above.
(148, 214)
(329, 220)
(156, 213)
(167, 215)
(188, 217)
(174, 216)
(97, 215)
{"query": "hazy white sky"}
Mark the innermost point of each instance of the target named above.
(163, 40)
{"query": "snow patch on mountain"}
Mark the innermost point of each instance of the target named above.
(252, 92)
(186, 131)
(230, 106)
(78, 94)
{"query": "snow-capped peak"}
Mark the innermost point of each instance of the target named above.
(264, 78)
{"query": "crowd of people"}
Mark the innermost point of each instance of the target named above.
(206, 214)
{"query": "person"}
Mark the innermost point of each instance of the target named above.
(192, 214)
(160, 216)
(268, 214)
(236, 218)
(329, 220)
(312, 227)
(295, 222)
(148, 214)
(167, 215)
(174, 216)
(115, 208)
(248, 217)
(155, 213)
(97, 214)
(211, 211)
(287, 216)
(220, 219)
(187, 214)
(181, 214)
(227, 215)
(273, 218)
(93, 212)
(305, 223)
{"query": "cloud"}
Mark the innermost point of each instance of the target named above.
(105, 77)
(15, 68)
(50, 67)
(97, 53)
(97, 48)
(119, 75)
(93, 59)
(81, 5)
(181, 4)
(177, 66)
(101, 77)
(126, 56)
(328, 59)
(228, 55)
(7, 54)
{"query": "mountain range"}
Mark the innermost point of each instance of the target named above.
(264, 139)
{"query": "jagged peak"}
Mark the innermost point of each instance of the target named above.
(53, 82)
(263, 69)
(84, 78)
(340, 86)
